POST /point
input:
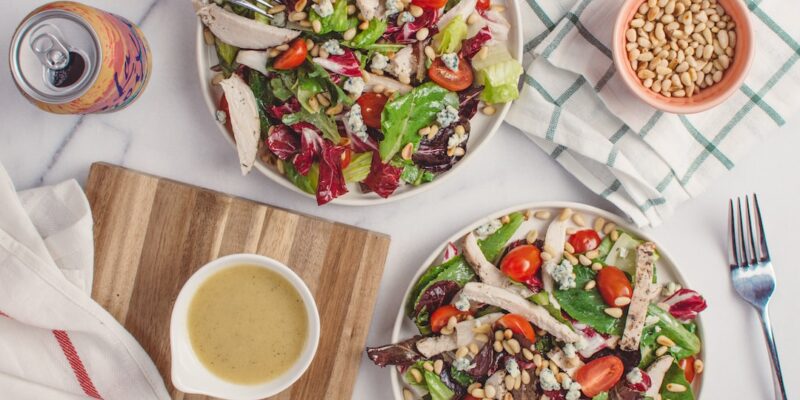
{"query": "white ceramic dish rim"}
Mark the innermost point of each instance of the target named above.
(499, 117)
(665, 259)
(188, 374)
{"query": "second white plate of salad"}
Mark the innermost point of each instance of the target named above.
(561, 300)
(358, 101)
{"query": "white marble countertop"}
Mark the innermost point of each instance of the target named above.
(169, 132)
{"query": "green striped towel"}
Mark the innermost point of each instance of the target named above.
(575, 107)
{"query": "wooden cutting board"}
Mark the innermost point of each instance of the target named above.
(152, 233)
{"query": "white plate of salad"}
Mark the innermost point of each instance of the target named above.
(358, 101)
(561, 300)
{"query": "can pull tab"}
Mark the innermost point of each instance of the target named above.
(50, 50)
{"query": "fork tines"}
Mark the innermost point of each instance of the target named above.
(748, 243)
(246, 4)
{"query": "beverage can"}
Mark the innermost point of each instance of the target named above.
(70, 58)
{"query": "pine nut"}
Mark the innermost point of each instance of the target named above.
(571, 258)
(698, 366)
(609, 228)
(676, 388)
(577, 218)
(497, 346)
(422, 34)
(614, 312)
(509, 382)
(428, 366)
(514, 345)
(488, 110)
(478, 393)
(473, 386)
(598, 224)
(416, 11)
(498, 335)
(597, 267)
(537, 360)
(526, 377)
(416, 375)
(614, 235)
(665, 341)
(622, 301)
(565, 214)
(527, 354)
(508, 334)
(592, 253)
(430, 53)
(473, 18)
(546, 256)
(543, 215)
(481, 338)
(447, 331)
(661, 351)
(489, 391)
(473, 348)
(531, 237)
(297, 16)
(585, 261)
(349, 34)
(590, 285)
(568, 247)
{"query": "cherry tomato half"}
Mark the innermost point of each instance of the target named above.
(599, 375)
(442, 314)
(449, 79)
(483, 5)
(371, 108)
(584, 240)
(521, 262)
(293, 57)
(687, 364)
(430, 4)
(518, 324)
(469, 397)
(613, 283)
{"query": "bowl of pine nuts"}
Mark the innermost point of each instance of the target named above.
(683, 56)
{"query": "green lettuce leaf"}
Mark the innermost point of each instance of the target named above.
(336, 22)
(368, 36)
(307, 183)
(322, 121)
(494, 244)
(676, 375)
(226, 55)
(359, 167)
(449, 39)
(404, 116)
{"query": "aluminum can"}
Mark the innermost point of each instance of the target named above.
(70, 58)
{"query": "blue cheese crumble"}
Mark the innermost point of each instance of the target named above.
(462, 303)
(488, 228)
(547, 380)
(447, 116)
(670, 288)
(332, 47)
(324, 8)
(450, 60)
(393, 7)
(355, 123)
(635, 376)
(379, 62)
(569, 350)
(574, 391)
(405, 17)
(562, 274)
(354, 85)
(462, 364)
(512, 367)
(278, 20)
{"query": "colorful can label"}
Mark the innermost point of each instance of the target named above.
(70, 58)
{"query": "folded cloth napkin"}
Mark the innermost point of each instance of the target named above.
(577, 109)
(55, 342)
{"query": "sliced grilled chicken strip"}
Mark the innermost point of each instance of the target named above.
(656, 371)
(516, 304)
(433, 345)
(253, 59)
(642, 293)
(464, 8)
(487, 272)
(370, 8)
(554, 241)
(239, 31)
(243, 114)
(387, 83)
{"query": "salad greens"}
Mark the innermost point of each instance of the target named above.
(362, 73)
(486, 286)
(403, 117)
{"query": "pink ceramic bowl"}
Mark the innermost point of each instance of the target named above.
(713, 95)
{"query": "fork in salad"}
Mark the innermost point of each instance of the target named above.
(371, 93)
(578, 315)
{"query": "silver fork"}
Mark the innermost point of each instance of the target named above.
(246, 4)
(752, 273)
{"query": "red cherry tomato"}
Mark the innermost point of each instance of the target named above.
(599, 375)
(521, 262)
(483, 5)
(430, 4)
(613, 283)
(518, 324)
(371, 108)
(223, 106)
(584, 240)
(293, 57)
(687, 364)
(442, 314)
(347, 155)
(449, 79)
(469, 397)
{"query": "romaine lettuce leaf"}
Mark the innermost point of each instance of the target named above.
(449, 39)
(359, 167)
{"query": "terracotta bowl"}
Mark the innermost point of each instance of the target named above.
(709, 97)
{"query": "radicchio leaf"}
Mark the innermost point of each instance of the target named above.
(468, 101)
(686, 304)
(450, 251)
(483, 361)
(593, 340)
(437, 295)
(553, 394)
(344, 64)
(331, 180)
(451, 383)
(401, 354)
(431, 155)
(383, 179)
(358, 144)
(407, 32)
(282, 142)
(473, 45)
(642, 385)
(291, 106)
(311, 144)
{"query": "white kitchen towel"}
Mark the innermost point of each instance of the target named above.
(55, 341)
(576, 108)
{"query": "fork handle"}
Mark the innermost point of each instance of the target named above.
(780, 391)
